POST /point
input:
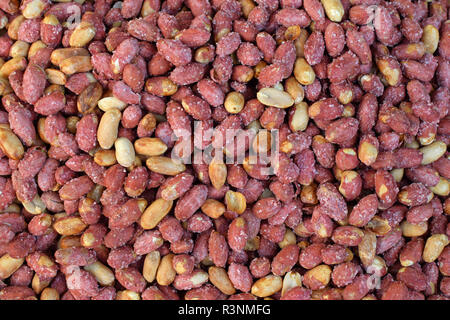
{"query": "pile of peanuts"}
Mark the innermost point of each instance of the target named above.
(100, 197)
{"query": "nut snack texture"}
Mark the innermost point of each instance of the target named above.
(224, 150)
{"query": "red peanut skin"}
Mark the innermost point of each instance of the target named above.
(237, 234)
(240, 277)
(76, 188)
(364, 211)
(21, 122)
(297, 293)
(33, 83)
(265, 208)
(285, 259)
(334, 39)
(218, 249)
(332, 201)
(356, 290)
(343, 274)
(191, 202)
(17, 293)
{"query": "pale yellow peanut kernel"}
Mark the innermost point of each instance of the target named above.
(303, 72)
(275, 98)
(333, 9)
(125, 153)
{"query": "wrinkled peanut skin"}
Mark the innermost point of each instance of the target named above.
(332, 116)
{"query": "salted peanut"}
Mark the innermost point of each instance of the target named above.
(10, 144)
(442, 188)
(76, 64)
(69, 226)
(235, 202)
(217, 173)
(234, 102)
(333, 9)
(303, 72)
(13, 27)
(151, 264)
(125, 154)
(35, 206)
(102, 273)
(413, 230)
(291, 280)
(108, 128)
(367, 248)
(9, 265)
(49, 294)
(433, 152)
(288, 239)
(35, 47)
(166, 273)
(397, 174)
(295, 89)
(14, 64)
(128, 295)
(275, 98)
(150, 146)
(38, 284)
(55, 76)
(247, 7)
(108, 103)
(82, 34)
(155, 212)
(105, 158)
(434, 247)
(165, 165)
(350, 185)
(430, 38)
(19, 49)
(213, 208)
(262, 142)
(219, 278)
(318, 277)
(292, 33)
(267, 286)
(379, 226)
(344, 94)
(59, 55)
